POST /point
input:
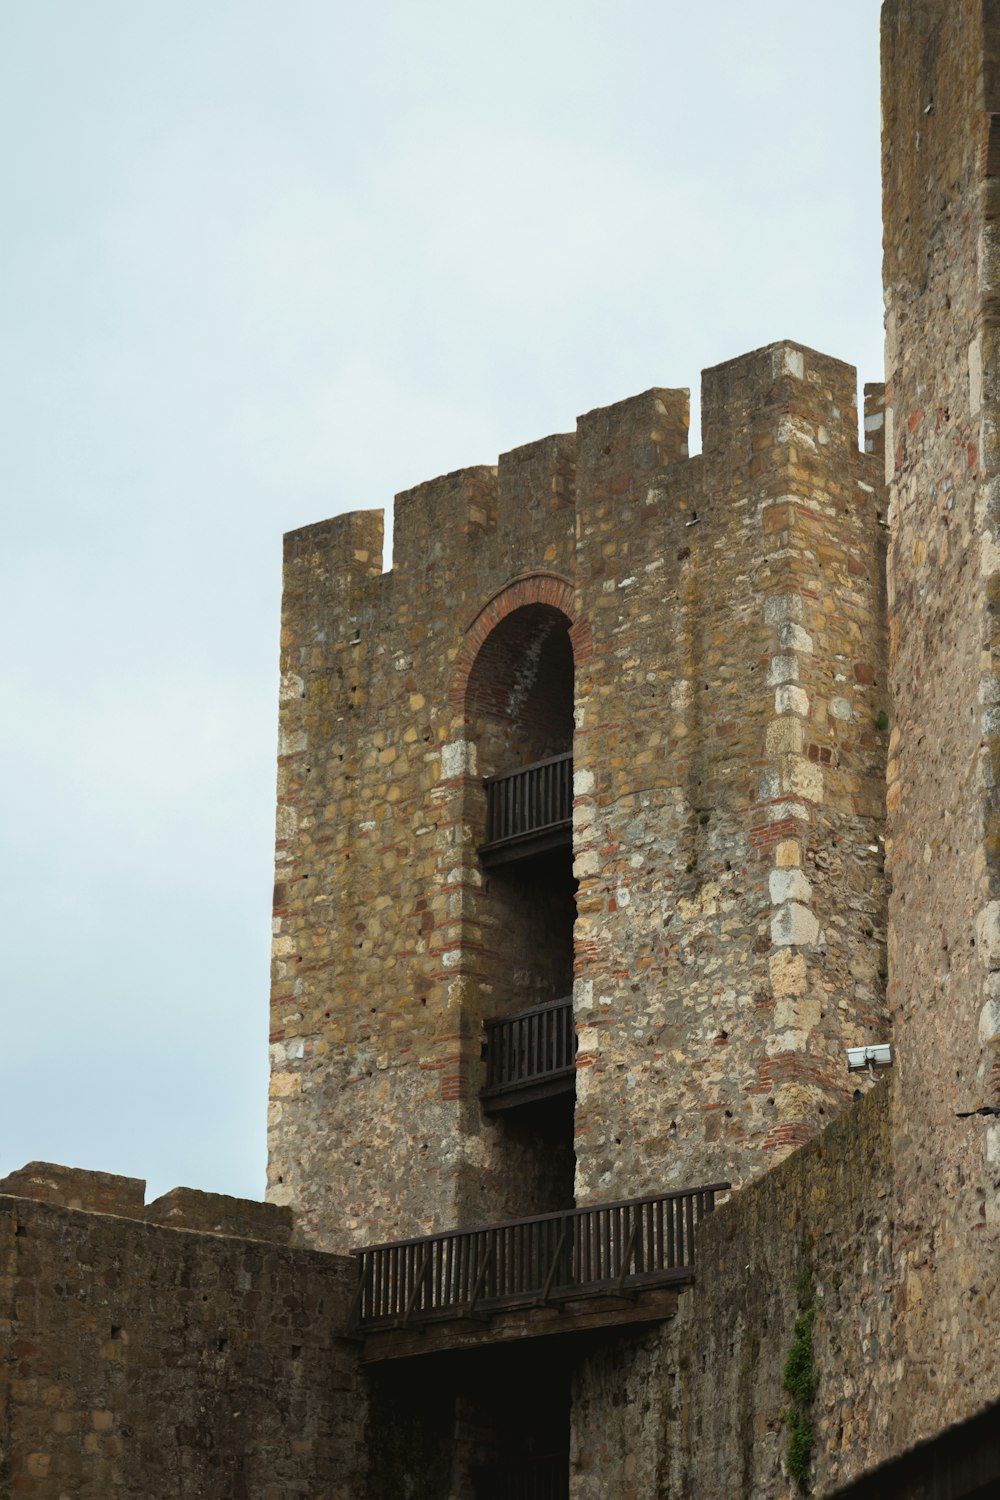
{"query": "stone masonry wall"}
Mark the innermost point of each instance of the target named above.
(375, 1127)
(821, 1220)
(729, 761)
(699, 1408)
(723, 614)
(139, 1360)
(940, 86)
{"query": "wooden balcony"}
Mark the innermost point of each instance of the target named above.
(529, 810)
(530, 1056)
(596, 1267)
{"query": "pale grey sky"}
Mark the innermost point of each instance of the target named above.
(263, 262)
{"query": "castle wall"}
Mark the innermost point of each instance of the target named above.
(940, 83)
(141, 1360)
(700, 1407)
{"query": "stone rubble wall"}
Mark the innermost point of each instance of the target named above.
(822, 1221)
(375, 1126)
(139, 1360)
(941, 85)
(671, 1412)
(730, 939)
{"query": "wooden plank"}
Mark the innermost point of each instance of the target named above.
(509, 1327)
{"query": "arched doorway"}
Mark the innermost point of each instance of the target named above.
(518, 707)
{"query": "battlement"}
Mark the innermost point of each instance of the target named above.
(757, 409)
(124, 1197)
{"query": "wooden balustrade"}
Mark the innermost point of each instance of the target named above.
(529, 809)
(530, 1055)
(607, 1248)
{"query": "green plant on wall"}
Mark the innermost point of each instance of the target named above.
(800, 1381)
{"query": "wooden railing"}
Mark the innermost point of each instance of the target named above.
(533, 1047)
(609, 1247)
(529, 800)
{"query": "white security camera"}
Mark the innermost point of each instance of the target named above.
(867, 1059)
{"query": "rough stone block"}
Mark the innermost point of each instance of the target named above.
(73, 1187)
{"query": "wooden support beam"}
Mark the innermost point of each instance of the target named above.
(582, 1316)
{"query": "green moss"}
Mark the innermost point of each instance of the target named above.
(800, 1381)
(800, 1447)
(800, 1372)
(882, 721)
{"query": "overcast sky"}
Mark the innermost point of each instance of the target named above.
(267, 261)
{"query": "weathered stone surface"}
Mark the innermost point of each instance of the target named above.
(824, 1215)
(215, 1213)
(98, 1192)
(940, 89)
(143, 1361)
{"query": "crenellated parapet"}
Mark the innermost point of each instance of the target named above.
(124, 1197)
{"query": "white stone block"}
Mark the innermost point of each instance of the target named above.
(286, 822)
(782, 669)
(989, 1022)
(292, 742)
(789, 699)
(458, 759)
(780, 811)
(791, 362)
(768, 787)
(793, 638)
(583, 783)
(783, 737)
(988, 934)
(989, 554)
(794, 924)
(840, 709)
(781, 607)
(802, 778)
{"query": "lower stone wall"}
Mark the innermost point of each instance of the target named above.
(698, 1407)
(815, 1231)
(141, 1361)
(620, 1417)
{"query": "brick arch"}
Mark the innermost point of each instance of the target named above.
(532, 588)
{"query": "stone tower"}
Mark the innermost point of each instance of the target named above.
(685, 657)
